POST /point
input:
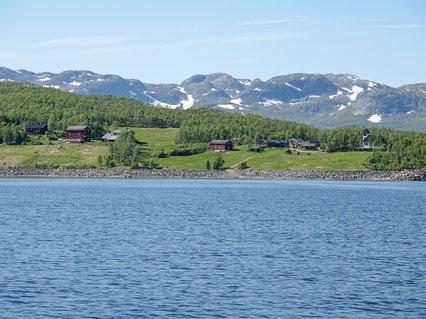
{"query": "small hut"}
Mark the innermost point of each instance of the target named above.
(108, 137)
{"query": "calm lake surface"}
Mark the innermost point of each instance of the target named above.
(73, 248)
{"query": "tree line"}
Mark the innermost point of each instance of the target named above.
(21, 104)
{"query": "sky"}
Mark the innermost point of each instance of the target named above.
(166, 41)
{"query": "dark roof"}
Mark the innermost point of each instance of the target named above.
(109, 136)
(77, 128)
(36, 126)
(220, 142)
(308, 144)
(302, 142)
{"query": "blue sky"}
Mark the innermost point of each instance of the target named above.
(167, 41)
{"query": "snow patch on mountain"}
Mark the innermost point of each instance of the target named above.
(75, 83)
(52, 86)
(271, 102)
(189, 102)
(355, 91)
(44, 79)
(339, 92)
(293, 87)
(236, 101)
(245, 82)
(227, 106)
(159, 103)
(375, 118)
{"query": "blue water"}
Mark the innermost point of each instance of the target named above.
(74, 248)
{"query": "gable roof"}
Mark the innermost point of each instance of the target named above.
(109, 136)
(77, 128)
(36, 126)
(220, 142)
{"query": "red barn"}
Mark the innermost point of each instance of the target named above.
(78, 134)
(220, 145)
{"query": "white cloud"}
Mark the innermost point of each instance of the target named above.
(82, 42)
(261, 21)
(138, 46)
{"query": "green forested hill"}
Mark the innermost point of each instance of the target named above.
(21, 104)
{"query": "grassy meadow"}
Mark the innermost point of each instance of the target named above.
(58, 154)
(61, 154)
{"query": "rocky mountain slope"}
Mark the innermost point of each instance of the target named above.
(324, 100)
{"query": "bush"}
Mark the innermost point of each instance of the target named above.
(218, 163)
(257, 149)
(243, 165)
(36, 140)
(154, 165)
(185, 150)
(124, 150)
(159, 154)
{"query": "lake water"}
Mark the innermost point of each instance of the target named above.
(74, 248)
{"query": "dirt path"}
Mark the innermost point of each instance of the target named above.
(244, 160)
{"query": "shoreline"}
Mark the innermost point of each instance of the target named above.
(91, 173)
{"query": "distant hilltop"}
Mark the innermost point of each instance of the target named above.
(324, 100)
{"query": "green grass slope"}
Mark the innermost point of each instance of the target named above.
(61, 154)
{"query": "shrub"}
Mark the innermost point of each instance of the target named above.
(36, 141)
(154, 165)
(185, 150)
(218, 163)
(159, 154)
(257, 149)
(243, 165)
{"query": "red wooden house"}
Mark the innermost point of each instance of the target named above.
(78, 134)
(221, 145)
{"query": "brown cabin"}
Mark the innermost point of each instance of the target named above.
(36, 129)
(78, 134)
(299, 143)
(221, 145)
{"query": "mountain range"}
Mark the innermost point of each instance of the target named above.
(324, 100)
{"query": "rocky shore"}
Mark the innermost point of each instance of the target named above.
(406, 175)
